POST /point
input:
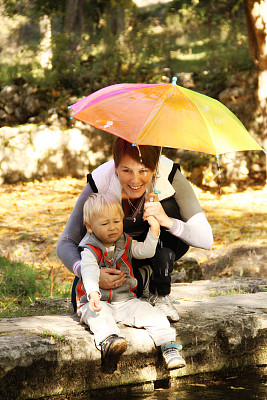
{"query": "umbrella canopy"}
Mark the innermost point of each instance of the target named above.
(165, 115)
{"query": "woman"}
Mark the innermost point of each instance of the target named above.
(130, 176)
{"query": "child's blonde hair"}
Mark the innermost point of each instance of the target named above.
(100, 203)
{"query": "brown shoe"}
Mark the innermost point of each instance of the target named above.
(111, 350)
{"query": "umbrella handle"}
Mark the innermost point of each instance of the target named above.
(151, 199)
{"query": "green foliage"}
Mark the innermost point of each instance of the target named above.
(123, 43)
(36, 7)
(20, 284)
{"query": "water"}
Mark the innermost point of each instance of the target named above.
(205, 392)
(247, 388)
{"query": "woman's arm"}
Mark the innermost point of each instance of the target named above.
(194, 228)
(74, 231)
(195, 232)
(67, 248)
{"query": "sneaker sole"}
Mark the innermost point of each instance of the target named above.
(172, 319)
(176, 365)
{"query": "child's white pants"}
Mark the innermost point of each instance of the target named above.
(134, 312)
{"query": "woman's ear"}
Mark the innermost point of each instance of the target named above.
(88, 227)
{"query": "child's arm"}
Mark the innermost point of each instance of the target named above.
(94, 301)
(90, 277)
(154, 225)
(147, 248)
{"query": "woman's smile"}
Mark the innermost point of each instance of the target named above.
(135, 188)
(134, 177)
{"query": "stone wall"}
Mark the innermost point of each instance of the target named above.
(33, 151)
(51, 355)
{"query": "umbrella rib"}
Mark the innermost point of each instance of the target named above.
(207, 126)
(140, 124)
(105, 96)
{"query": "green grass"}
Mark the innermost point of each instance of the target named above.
(20, 284)
(230, 292)
(57, 338)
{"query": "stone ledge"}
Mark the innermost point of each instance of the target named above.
(217, 333)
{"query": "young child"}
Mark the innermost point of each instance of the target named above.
(106, 246)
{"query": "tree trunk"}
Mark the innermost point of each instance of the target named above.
(74, 21)
(45, 53)
(256, 16)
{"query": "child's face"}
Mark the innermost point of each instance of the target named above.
(107, 227)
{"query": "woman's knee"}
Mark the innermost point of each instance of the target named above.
(164, 261)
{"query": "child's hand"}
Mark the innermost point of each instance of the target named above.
(154, 225)
(94, 301)
(155, 209)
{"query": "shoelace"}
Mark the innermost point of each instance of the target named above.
(170, 353)
(153, 298)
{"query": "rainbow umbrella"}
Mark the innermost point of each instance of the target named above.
(165, 115)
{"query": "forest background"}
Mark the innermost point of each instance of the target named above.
(64, 50)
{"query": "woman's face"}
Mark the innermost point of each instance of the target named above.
(134, 177)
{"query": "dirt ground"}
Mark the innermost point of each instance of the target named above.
(33, 215)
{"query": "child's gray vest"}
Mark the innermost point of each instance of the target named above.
(122, 260)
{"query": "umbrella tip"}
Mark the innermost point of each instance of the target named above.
(174, 80)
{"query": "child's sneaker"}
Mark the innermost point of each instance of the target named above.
(171, 355)
(112, 348)
(164, 304)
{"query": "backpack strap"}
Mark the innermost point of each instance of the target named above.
(92, 183)
(173, 171)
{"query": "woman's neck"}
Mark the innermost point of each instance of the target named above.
(129, 205)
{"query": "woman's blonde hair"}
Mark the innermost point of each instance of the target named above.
(100, 203)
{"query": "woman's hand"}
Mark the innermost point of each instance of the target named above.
(155, 209)
(111, 278)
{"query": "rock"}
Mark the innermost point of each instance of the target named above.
(50, 355)
(2, 114)
(8, 90)
(50, 305)
(196, 176)
(186, 270)
(44, 150)
(19, 102)
(9, 108)
(185, 79)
